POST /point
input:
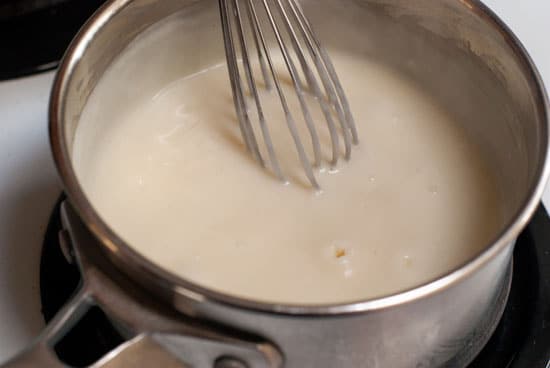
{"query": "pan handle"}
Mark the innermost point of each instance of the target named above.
(156, 334)
(141, 351)
(41, 351)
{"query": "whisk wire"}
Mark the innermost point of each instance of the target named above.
(314, 44)
(295, 81)
(235, 80)
(321, 64)
(284, 104)
(261, 58)
(312, 84)
(254, 91)
(286, 20)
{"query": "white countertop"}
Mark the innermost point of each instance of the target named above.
(23, 140)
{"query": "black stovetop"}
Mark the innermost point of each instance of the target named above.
(34, 34)
(521, 340)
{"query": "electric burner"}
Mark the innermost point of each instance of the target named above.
(34, 34)
(521, 340)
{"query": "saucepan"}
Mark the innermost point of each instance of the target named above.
(463, 54)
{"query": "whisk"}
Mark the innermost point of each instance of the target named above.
(245, 25)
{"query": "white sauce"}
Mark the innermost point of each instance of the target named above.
(170, 174)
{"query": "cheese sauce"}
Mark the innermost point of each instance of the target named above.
(170, 174)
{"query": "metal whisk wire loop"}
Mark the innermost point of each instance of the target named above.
(246, 25)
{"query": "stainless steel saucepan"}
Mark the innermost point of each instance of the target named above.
(459, 51)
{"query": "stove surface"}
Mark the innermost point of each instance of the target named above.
(25, 45)
(29, 187)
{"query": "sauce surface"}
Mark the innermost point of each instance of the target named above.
(171, 176)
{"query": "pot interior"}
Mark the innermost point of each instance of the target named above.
(455, 50)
